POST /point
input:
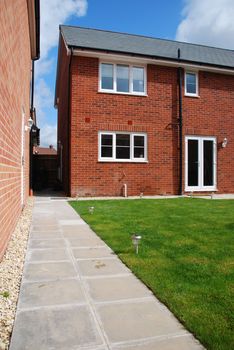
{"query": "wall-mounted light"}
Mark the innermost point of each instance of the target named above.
(225, 142)
(30, 124)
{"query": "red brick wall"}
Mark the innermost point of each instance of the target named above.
(212, 114)
(15, 66)
(156, 114)
(63, 115)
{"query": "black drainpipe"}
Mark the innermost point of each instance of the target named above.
(69, 126)
(30, 134)
(180, 72)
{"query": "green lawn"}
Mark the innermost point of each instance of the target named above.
(185, 257)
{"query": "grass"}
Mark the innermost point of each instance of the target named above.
(185, 256)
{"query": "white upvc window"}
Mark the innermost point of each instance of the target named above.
(122, 78)
(191, 83)
(122, 146)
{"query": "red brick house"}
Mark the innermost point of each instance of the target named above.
(143, 115)
(19, 45)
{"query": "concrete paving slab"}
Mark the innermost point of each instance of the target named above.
(77, 229)
(46, 243)
(46, 235)
(91, 242)
(50, 221)
(184, 342)
(51, 254)
(101, 252)
(43, 228)
(55, 328)
(97, 267)
(72, 222)
(50, 293)
(117, 288)
(132, 321)
(47, 271)
(80, 235)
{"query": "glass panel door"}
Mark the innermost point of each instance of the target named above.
(193, 163)
(208, 161)
(200, 163)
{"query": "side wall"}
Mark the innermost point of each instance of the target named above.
(63, 148)
(15, 75)
(211, 114)
(155, 114)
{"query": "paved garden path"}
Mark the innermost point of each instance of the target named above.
(76, 294)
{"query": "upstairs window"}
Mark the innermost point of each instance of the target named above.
(191, 84)
(122, 79)
(121, 146)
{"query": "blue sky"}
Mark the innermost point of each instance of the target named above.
(208, 22)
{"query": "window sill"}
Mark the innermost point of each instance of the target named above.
(122, 161)
(187, 189)
(122, 93)
(191, 95)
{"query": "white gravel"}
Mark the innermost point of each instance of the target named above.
(11, 268)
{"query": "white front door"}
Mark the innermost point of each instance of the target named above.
(200, 163)
(22, 160)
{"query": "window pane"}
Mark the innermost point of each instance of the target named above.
(107, 140)
(107, 76)
(106, 151)
(106, 146)
(122, 140)
(122, 146)
(191, 83)
(208, 163)
(139, 151)
(122, 152)
(139, 141)
(138, 79)
(192, 163)
(122, 78)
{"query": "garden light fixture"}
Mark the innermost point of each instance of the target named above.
(91, 210)
(136, 240)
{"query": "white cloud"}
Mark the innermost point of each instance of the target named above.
(43, 66)
(48, 135)
(43, 99)
(208, 22)
(53, 13)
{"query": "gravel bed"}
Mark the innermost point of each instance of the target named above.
(11, 268)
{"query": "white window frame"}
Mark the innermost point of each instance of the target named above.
(113, 158)
(185, 84)
(201, 187)
(114, 90)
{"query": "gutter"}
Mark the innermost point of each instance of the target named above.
(180, 73)
(37, 18)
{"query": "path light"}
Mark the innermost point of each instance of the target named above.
(91, 210)
(135, 240)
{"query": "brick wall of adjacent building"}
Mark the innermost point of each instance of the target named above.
(63, 148)
(211, 114)
(15, 73)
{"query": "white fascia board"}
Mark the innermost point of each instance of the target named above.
(144, 60)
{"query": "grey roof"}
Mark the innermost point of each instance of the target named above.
(87, 38)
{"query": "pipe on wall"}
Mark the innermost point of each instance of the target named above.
(180, 77)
